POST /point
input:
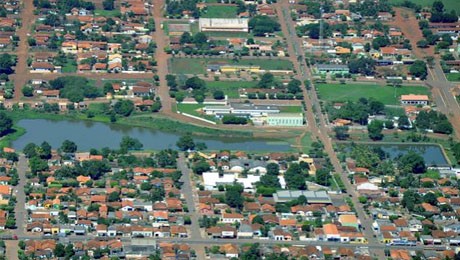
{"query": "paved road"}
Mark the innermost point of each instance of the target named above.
(19, 209)
(209, 242)
(320, 129)
(188, 191)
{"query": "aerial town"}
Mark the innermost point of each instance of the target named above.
(230, 129)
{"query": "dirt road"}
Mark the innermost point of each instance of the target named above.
(27, 19)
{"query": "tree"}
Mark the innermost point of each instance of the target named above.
(6, 63)
(59, 250)
(403, 122)
(365, 66)
(108, 88)
(258, 220)
(200, 167)
(266, 81)
(410, 199)
(294, 86)
(294, 177)
(68, 147)
(124, 107)
(186, 37)
(45, 151)
(69, 252)
(30, 150)
(253, 253)
(430, 198)
(412, 162)
(322, 177)
(218, 94)
(129, 143)
(195, 83)
(375, 130)
(341, 132)
(5, 124)
(234, 197)
(27, 91)
(273, 169)
(108, 4)
(260, 25)
(234, 120)
(185, 143)
(422, 44)
(418, 69)
(269, 181)
(115, 196)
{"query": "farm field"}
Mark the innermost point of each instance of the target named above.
(198, 65)
(353, 92)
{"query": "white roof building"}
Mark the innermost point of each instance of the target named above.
(223, 25)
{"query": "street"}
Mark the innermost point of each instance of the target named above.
(320, 130)
(187, 190)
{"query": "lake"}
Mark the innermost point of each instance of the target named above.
(87, 135)
(432, 154)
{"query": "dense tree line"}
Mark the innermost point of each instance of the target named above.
(358, 111)
(440, 15)
(435, 121)
(75, 88)
(260, 25)
(234, 120)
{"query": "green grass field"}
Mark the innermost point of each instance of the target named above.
(290, 109)
(70, 66)
(192, 109)
(353, 92)
(198, 65)
(220, 11)
(107, 13)
(230, 88)
(448, 4)
(453, 76)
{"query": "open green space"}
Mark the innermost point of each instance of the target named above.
(108, 13)
(70, 66)
(448, 4)
(453, 76)
(353, 92)
(219, 11)
(290, 109)
(198, 65)
(193, 109)
(230, 88)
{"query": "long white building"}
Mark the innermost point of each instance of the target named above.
(223, 25)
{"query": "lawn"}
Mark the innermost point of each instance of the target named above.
(453, 76)
(448, 4)
(198, 65)
(192, 109)
(353, 92)
(230, 88)
(220, 11)
(70, 66)
(290, 109)
(107, 13)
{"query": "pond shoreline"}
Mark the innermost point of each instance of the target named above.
(425, 144)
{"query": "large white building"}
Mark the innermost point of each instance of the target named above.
(223, 25)
(212, 180)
